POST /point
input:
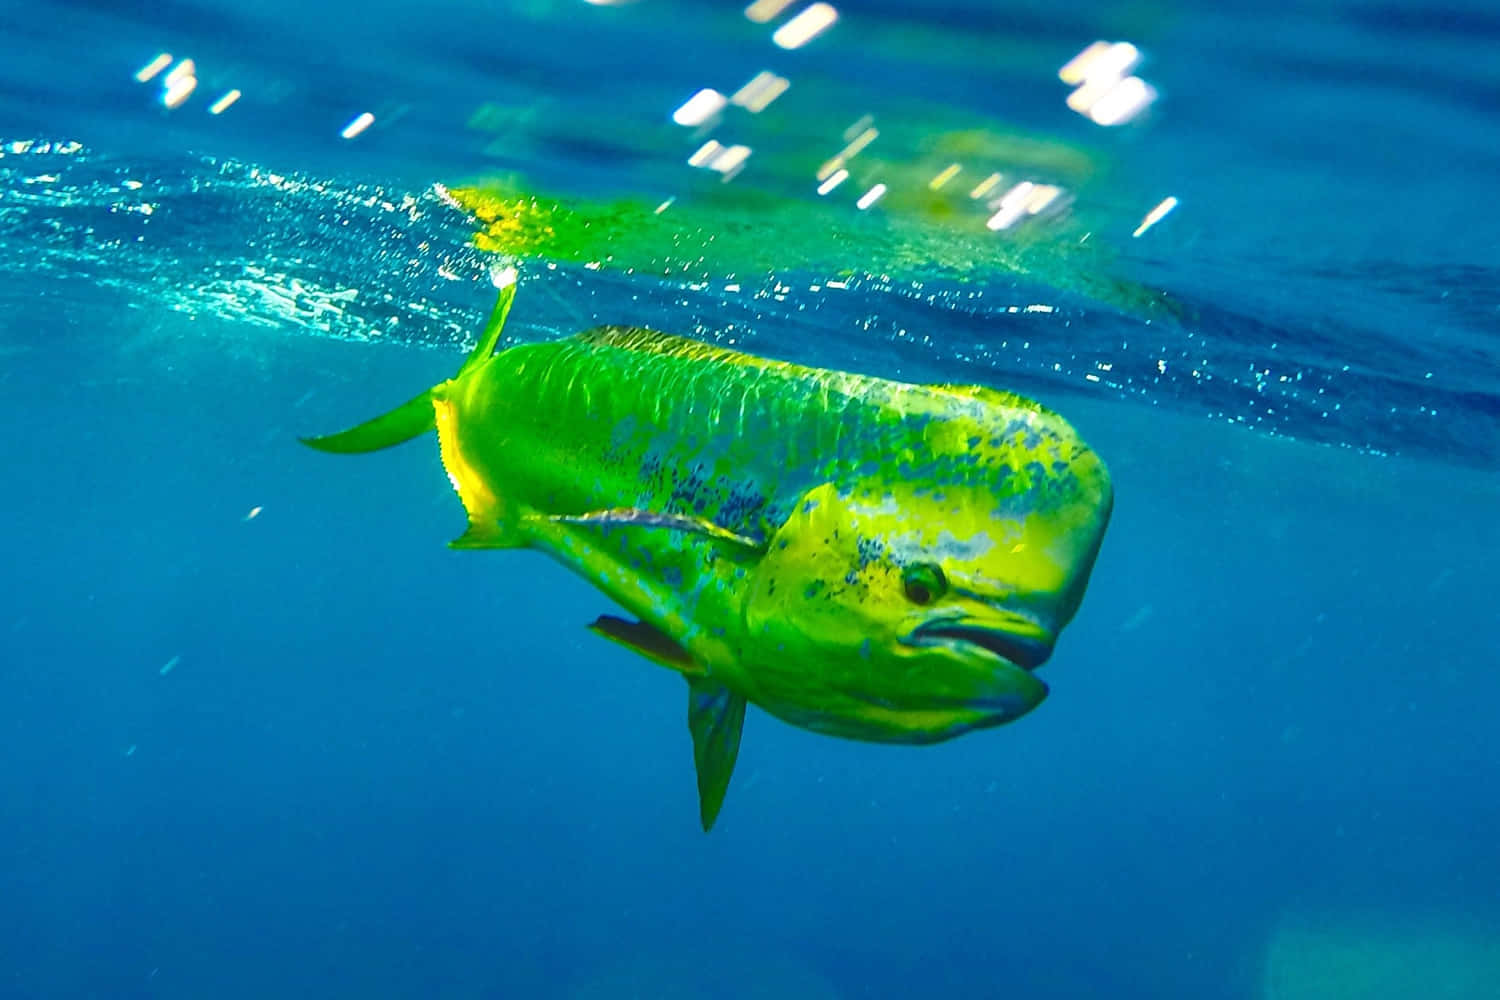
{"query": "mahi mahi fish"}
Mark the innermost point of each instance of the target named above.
(865, 558)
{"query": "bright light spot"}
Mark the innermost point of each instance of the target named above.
(1100, 60)
(985, 186)
(855, 144)
(859, 142)
(731, 158)
(762, 11)
(705, 153)
(178, 90)
(860, 124)
(1023, 199)
(1041, 196)
(154, 67)
(944, 176)
(222, 104)
(833, 181)
(1161, 366)
(1156, 215)
(762, 89)
(700, 107)
(358, 125)
(1124, 101)
(1017, 195)
(254, 513)
(714, 155)
(870, 197)
(806, 26)
(1076, 69)
(1117, 60)
(503, 277)
(665, 205)
(182, 71)
(1103, 90)
(177, 84)
(1085, 96)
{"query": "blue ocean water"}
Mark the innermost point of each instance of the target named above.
(264, 735)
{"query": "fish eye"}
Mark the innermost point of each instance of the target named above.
(923, 583)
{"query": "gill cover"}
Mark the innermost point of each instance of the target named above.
(806, 585)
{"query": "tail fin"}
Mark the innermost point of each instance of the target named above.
(415, 416)
(405, 422)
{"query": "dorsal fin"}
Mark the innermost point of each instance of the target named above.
(995, 397)
(636, 338)
(505, 281)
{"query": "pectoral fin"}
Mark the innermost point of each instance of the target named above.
(647, 640)
(650, 519)
(715, 717)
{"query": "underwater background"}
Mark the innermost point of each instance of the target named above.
(262, 734)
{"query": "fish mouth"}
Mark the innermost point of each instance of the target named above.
(1026, 652)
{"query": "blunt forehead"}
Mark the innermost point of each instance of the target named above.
(960, 499)
(970, 444)
(943, 545)
(967, 512)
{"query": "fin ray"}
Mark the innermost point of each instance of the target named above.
(994, 397)
(649, 519)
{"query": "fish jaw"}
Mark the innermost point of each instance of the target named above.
(834, 700)
(1000, 652)
(1007, 638)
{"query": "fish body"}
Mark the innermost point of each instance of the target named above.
(861, 557)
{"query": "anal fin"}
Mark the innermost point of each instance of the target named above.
(647, 640)
(716, 716)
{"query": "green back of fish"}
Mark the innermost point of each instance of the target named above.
(622, 417)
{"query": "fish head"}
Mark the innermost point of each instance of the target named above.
(912, 611)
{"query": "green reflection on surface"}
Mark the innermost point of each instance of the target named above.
(711, 229)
